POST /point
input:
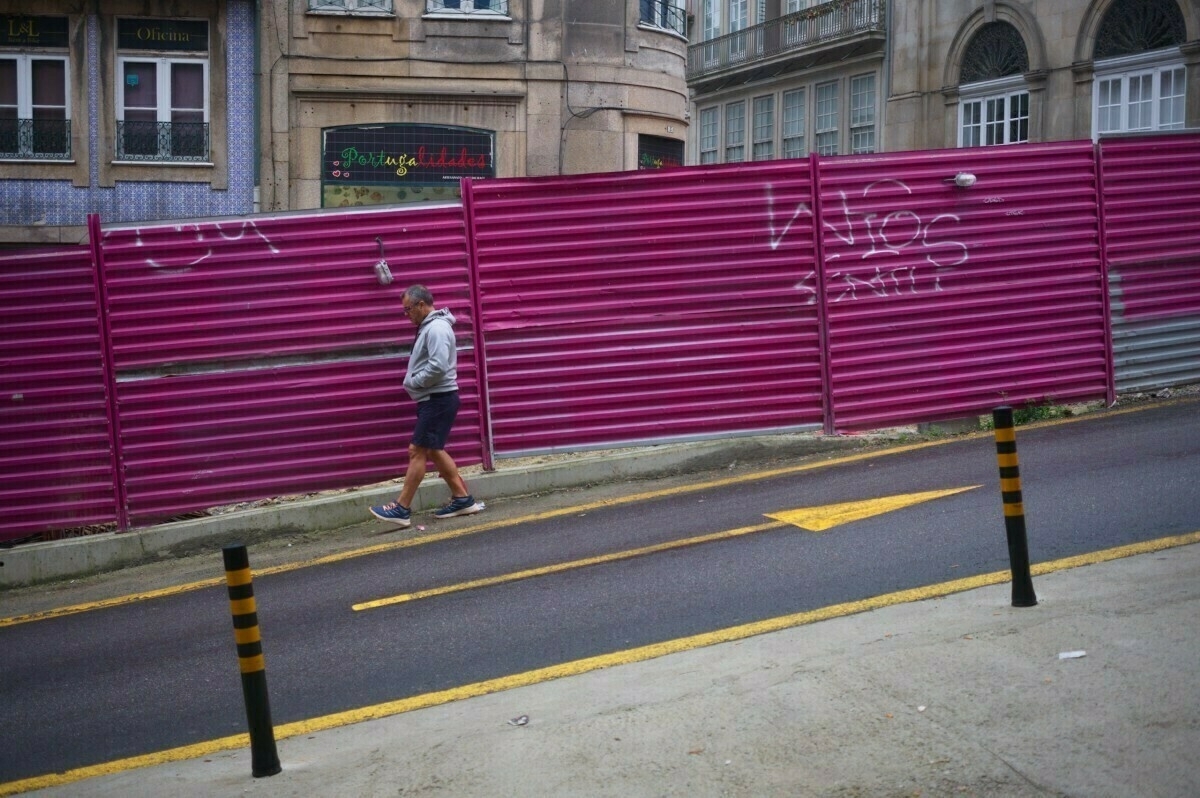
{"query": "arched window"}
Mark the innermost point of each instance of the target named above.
(996, 51)
(1140, 74)
(994, 101)
(1135, 26)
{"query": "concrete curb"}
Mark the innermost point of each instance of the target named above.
(64, 559)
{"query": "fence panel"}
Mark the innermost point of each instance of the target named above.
(946, 301)
(647, 306)
(258, 357)
(56, 466)
(1151, 203)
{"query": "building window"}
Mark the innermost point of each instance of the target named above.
(764, 128)
(710, 16)
(827, 119)
(351, 6)
(666, 14)
(995, 51)
(710, 122)
(862, 114)
(1139, 68)
(1138, 26)
(793, 124)
(735, 132)
(35, 119)
(996, 116)
(1151, 99)
(482, 7)
(994, 105)
(162, 94)
(35, 112)
(163, 113)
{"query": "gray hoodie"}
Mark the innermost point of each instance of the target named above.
(433, 364)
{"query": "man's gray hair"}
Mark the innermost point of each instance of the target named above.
(419, 293)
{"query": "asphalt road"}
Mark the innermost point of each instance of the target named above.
(98, 686)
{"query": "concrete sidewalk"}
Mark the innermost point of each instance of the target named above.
(1092, 693)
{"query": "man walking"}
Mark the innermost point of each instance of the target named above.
(432, 381)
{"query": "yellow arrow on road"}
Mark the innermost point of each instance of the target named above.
(818, 519)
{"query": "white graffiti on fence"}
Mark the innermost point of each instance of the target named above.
(896, 232)
(206, 237)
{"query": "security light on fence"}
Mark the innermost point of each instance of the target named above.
(962, 180)
(382, 272)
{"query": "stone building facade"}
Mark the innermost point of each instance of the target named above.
(783, 78)
(140, 110)
(369, 101)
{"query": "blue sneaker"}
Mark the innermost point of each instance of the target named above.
(461, 505)
(393, 512)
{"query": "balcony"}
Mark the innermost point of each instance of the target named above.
(162, 141)
(813, 36)
(38, 139)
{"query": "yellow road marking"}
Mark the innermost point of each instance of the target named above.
(819, 519)
(577, 667)
(565, 566)
(471, 530)
(814, 519)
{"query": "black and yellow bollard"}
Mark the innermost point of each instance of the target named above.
(263, 755)
(1014, 507)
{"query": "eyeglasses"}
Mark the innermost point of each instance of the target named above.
(408, 309)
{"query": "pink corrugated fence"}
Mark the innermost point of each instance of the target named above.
(178, 367)
(1151, 200)
(945, 301)
(56, 468)
(638, 307)
(262, 357)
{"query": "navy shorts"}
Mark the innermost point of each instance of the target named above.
(435, 417)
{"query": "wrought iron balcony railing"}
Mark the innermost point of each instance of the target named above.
(35, 138)
(826, 23)
(664, 14)
(162, 141)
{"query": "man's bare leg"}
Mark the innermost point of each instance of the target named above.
(449, 472)
(417, 455)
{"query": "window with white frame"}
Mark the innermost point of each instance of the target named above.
(351, 6)
(738, 21)
(1139, 68)
(481, 7)
(994, 112)
(162, 90)
(735, 132)
(827, 119)
(764, 128)
(666, 14)
(862, 114)
(993, 98)
(35, 117)
(710, 18)
(35, 108)
(792, 132)
(710, 123)
(1135, 99)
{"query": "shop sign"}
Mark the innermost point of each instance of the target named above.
(373, 164)
(174, 35)
(20, 31)
(659, 152)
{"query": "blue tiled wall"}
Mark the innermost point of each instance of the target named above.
(57, 202)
